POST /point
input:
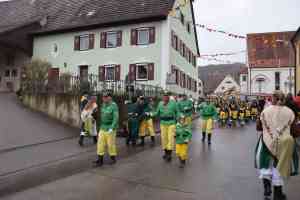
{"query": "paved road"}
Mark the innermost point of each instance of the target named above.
(20, 127)
(223, 171)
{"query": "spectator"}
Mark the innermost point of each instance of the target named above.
(275, 152)
(291, 104)
(297, 99)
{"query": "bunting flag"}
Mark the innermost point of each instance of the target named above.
(216, 60)
(220, 31)
(223, 54)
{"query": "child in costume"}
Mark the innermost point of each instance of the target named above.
(89, 117)
(223, 116)
(183, 137)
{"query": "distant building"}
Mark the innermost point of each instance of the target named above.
(200, 88)
(271, 62)
(296, 43)
(228, 84)
(244, 81)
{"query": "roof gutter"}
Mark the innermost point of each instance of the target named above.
(95, 26)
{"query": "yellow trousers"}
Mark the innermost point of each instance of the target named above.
(107, 139)
(146, 126)
(182, 151)
(207, 126)
(167, 136)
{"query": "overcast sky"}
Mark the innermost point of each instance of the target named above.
(242, 17)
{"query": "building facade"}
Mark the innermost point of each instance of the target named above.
(296, 45)
(149, 42)
(228, 84)
(244, 81)
(271, 63)
(147, 50)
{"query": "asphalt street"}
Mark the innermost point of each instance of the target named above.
(223, 171)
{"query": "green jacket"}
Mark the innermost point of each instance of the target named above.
(207, 111)
(167, 113)
(109, 116)
(183, 133)
(186, 107)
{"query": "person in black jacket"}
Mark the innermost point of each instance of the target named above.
(289, 102)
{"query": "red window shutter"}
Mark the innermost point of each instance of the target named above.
(181, 78)
(102, 73)
(91, 41)
(173, 69)
(152, 35)
(133, 36)
(103, 40)
(196, 87)
(176, 43)
(132, 72)
(119, 38)
(151, 71)
(173, 39)
(184, 80)
(177, 76)
(118, 72)
(77, 43)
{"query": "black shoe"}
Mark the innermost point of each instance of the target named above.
(127, 141)
(165, 156)
(203, 136)
(169, 156)
(99, 161)
(182, 163)
(267, 188)
(113, 160)
(133, 143)
(209, 139)
(80, 142)
(278, 194)
(142, 141)
(95, 139)
(152, 140)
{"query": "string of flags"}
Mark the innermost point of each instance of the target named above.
(216, 60)
(220, 31)
(183, 3)
(223, 54)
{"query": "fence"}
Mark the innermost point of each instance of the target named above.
(91, 84)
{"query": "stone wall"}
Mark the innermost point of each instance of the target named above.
(62, 107)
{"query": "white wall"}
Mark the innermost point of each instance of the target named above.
(226, 84)
(269, 75)
(124, 55)
(244, 84)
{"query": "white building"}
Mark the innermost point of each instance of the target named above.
(200, 88)
(244, 83)
(227, 84)
(143, 41)
(271, 62)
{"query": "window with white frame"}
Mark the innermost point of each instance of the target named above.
(143, 36)
(111, 40)
(84, 41)
(142, 72)
(110, 73)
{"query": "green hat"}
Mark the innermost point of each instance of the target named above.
(166, 93)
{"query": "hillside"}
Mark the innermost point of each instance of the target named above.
(212, 75)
